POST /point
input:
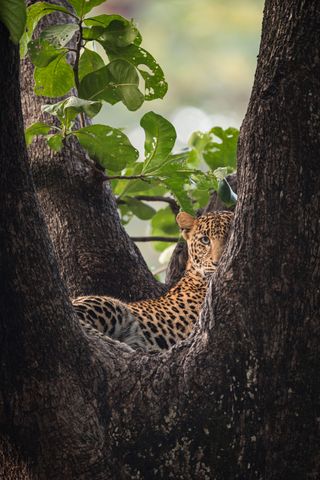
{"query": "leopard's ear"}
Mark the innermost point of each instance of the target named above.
(185, 222)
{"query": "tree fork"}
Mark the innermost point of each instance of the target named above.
(239, 398)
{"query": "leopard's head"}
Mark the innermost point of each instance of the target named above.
(206, 237)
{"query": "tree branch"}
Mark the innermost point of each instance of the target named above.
(155, 198)
(127, 177)
(155, 239)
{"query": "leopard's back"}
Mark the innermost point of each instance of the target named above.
(107, 316)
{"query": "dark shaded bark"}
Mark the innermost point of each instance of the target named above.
(11, 466)
(95, 255)
(238, 399)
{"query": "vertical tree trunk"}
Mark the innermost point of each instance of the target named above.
(271, 280)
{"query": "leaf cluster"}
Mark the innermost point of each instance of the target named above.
(91, 60)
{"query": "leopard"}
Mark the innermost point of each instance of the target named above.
(156, 325)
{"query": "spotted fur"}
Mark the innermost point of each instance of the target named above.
(157, 324)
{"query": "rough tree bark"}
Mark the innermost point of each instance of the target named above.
(240, 398)
(95, 255)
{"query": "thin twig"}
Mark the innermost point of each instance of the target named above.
(127, 177)
(155, 239)
(155, 198)
(158, 198)
(76, 70)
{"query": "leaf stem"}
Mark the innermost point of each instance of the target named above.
(127, 177)
(76, 70)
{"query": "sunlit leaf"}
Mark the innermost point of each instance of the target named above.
(160, 139)
(90, 61)
(42, 52)
(172, 164)
(82, 7)
(13, 16)
(38, 128)
(59, 35)
(34, 14)
(109, 146)
(67, 110)
(55, 80)
(55, 142)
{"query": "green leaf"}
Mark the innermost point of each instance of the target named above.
(155, 84)
(126, 81)
(67, 110)
(226, 194)
(218, 147)
(222, 172)
(38, 128)
(111, 31)
(125, 187)
(140, 209)
(174, 163)
(125, 213)
(90, 61)
(202, 186)
(98, 85)
(82, 7)
(160, 139)
(164, 223)
(59, 35)
(13, 16)
(109, 146)
(54, 80)
(55, 142)
(34, 14)
(198, 141)
(42, 52)
(177, 185)
(116, 81)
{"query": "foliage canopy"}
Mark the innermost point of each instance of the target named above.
(91, 60)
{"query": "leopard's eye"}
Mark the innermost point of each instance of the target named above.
(205, 240)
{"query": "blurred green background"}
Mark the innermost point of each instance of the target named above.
(208, 51)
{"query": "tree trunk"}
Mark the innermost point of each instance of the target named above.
(239, 398)
(95, 255)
